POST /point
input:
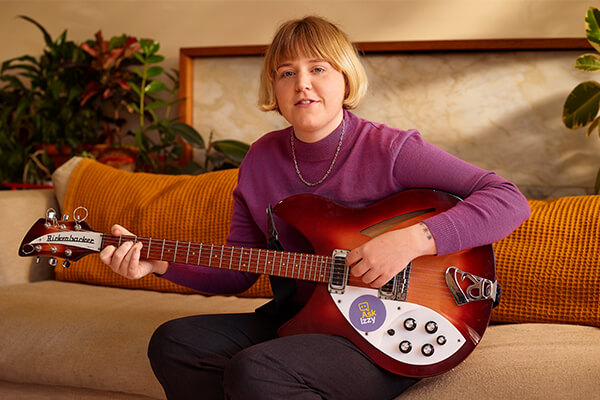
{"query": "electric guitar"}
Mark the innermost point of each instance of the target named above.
(424, 322)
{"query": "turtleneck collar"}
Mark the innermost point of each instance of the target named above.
(325, 148)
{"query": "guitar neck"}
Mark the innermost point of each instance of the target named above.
(308, 267)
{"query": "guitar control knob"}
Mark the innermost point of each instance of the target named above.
(427, 350)
(431, 327)
(410, 324)
(405, 346)
(441, 340)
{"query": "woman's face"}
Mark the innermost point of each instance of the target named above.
(310, 95)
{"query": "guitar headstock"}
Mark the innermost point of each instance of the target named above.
(70, 240)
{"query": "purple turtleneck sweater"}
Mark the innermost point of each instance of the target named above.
(374, 162)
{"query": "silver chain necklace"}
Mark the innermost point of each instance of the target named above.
(337, 151)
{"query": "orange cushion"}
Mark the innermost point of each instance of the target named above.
(178, 207)
(549, 268)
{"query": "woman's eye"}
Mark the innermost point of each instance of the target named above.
(286, 74)
(319, 69)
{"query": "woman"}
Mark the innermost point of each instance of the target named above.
(312, 76)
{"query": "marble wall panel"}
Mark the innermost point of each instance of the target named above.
(498, 110)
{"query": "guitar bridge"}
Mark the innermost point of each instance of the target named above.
(338, 275)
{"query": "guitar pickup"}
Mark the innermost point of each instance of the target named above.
(338, 275)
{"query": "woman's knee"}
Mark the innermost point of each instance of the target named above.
(160, 343)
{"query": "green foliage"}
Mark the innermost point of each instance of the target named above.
(582, 104)
(40, 104)
(76, 96)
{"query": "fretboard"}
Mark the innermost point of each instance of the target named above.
(308, 267)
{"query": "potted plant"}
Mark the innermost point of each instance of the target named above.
(41, 110)
(103, 98)
(582, 104)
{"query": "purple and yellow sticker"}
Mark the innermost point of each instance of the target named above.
(367, 313)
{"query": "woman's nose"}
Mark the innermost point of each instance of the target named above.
(303, 82)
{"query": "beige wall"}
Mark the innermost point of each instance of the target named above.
(180, 23)
(516, 132)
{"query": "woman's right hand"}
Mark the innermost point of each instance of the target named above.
(125, 260)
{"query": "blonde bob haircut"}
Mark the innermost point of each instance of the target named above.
(312, 37)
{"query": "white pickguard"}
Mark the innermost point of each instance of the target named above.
(381, 322)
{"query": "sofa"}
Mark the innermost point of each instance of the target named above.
(81, 332)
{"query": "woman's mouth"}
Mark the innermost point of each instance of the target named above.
(304, 102)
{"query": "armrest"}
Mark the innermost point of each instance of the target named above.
(20, 209)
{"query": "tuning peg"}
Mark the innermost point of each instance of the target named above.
(66, 264)
(52, 261)
(65, 217)
(37, 260)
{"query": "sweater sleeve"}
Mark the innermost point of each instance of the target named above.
(492, 207)
(243, 232)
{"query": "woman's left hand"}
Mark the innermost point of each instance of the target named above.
(380, 259)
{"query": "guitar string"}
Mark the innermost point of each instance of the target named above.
(319, 266)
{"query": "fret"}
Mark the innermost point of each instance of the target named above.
(258, 261)
(120, 238)
(162, 252)
(267, 262)
(210, 255)
(280, 262)
(305, 266)
(187, 257)
(231, 257)
(175, 252)
(241, 255)
(149, 242)
(221, 257)
(199, 254)
(293, 267)
(249, 259)
(287, 264)
(321, 273)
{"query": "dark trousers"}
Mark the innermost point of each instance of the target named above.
(240, 356)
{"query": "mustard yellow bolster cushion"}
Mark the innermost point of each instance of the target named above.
(179, 207)
(549, 268)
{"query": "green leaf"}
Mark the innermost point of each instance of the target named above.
(154, 71)
(588, 63)
(140, 58)
(138, 72)
(155, 104)
(47, 37)
(154, 87)
(592, 126)
(135, 88)
(581, 105)
(145, 44)
(135, 107)
(232, 149)
(592, 27)
(155, 59)
(189, 134)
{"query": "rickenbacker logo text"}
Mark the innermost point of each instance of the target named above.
(70, 238)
